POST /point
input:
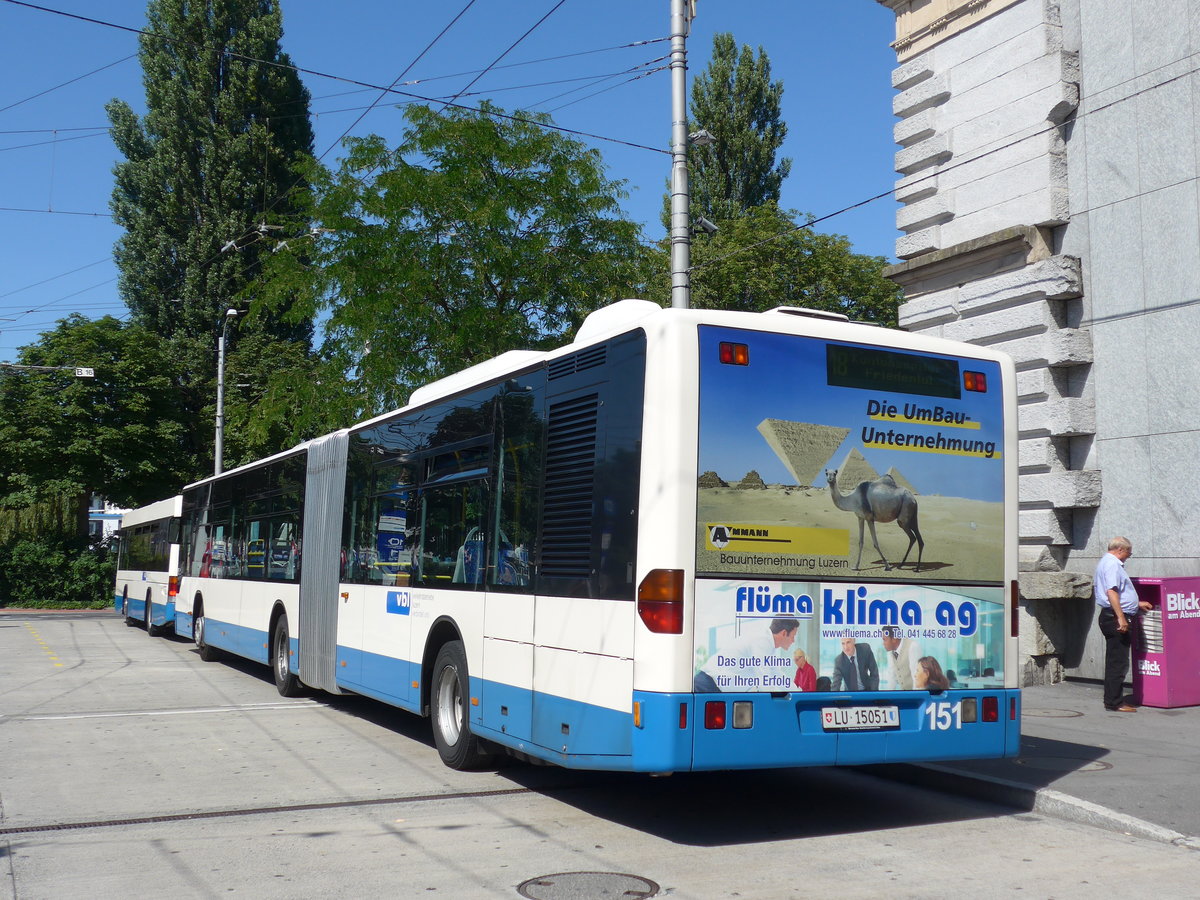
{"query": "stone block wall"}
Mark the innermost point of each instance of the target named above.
(983, 180)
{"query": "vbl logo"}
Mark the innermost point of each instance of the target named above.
(399, 602)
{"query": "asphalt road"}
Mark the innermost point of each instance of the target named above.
(129, 768)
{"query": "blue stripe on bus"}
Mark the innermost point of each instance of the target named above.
(163, 614)
(380, 677)
(786, 729)
(137, 607)
(237, 639)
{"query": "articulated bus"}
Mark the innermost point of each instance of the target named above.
(148, 565)
(688, 540)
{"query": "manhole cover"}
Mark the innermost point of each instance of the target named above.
(1063, 764)
(1051, 713)
(586, 885)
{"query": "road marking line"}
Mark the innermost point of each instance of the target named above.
(252, 707)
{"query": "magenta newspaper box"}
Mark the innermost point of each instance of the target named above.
(1166, 649)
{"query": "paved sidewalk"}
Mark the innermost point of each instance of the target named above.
(1132, 772)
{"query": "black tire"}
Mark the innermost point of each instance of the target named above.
(286, 681)
(151, 629)
(207, 653)
(448, 692)
(130, 621)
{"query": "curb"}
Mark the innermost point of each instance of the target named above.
(1041, 800)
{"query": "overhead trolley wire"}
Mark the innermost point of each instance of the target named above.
(511, 47)
(54, 278)
(384, 91)
(317, 74)
(65, 83)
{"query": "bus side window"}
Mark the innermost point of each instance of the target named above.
(453, 549)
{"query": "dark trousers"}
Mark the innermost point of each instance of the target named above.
(1116, 655)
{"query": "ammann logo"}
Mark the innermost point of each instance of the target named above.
(720, 536)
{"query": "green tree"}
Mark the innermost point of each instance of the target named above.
(761, 257)
(208, 177)
(480, 233)
(119, 433)
(275, 397)
(735, 100)
(766, 258)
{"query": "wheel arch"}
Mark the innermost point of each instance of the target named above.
(442, 632)
(277, 611)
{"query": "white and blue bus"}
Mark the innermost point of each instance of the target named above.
(148, 565)
(688, 540)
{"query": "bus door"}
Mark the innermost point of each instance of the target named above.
(514, 502)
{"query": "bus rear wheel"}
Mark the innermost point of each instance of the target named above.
(456, 745)
(151, 628)
(286, 681)
(130, 621)
(207, 653)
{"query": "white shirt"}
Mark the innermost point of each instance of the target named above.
(902, 664)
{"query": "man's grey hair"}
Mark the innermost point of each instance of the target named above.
(1120, 543)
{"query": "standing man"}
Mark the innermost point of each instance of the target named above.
(855, 667)
(1119, 609)
(902, 654)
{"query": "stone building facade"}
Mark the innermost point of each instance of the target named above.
(1048, 175)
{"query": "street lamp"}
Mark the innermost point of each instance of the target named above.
(219, 451)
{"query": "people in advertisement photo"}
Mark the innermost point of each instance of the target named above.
(901, 654)
(798, 636)
(855, 668)
(805, 678)
(930, 676)
(755, 660)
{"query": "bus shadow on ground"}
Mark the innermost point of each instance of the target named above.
(1041, 763)
(711, 809)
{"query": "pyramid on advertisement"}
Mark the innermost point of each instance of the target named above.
(805, 449)
(853, 469)
(900, 479)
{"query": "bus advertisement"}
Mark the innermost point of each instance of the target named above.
(868, 488)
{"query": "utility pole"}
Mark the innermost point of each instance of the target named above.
(682, 13)
(219, 449)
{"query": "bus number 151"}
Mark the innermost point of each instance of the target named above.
(944, 716)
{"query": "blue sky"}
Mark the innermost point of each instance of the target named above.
(56, 160)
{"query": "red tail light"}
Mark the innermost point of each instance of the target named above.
(660, 601)
(173, 586)
(991, 709)
(734, 354)
(1012, 709)
(683, 715)
(975, 381)
(714, 715)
